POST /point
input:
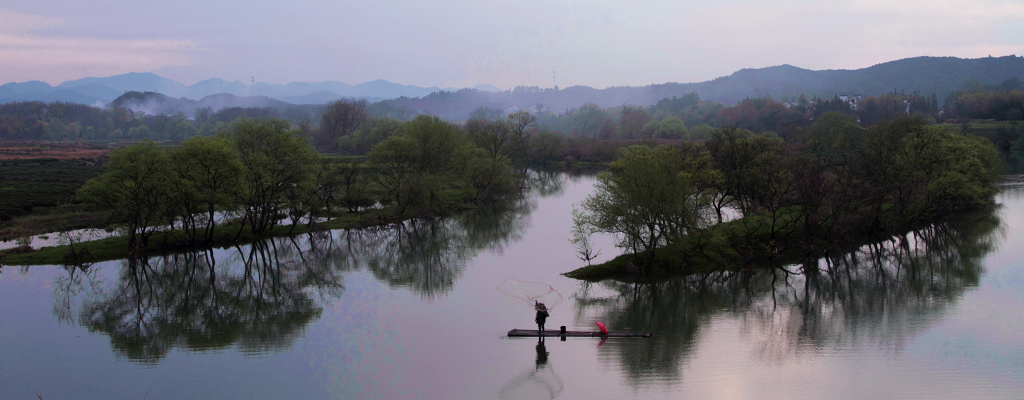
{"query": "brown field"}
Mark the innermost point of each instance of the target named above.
(56, 150)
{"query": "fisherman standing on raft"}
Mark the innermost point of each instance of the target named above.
(542, 314)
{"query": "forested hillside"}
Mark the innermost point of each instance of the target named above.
(927, 76)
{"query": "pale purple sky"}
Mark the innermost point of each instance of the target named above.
(463, 43)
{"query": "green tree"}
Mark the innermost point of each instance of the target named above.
(353, 186)
(651, 197)
(369, 134)
(918, 171)
(825, 183)
(671, 128)
(522, 126)
(700, 132)
(742, 158)
(136, 186)
(494, 138)
(631, 122)
(486, 114)
(207, 177)
(394, 162)
(587, 120)
(489, 168)
(340, 119)
(441, 156)
(546, 147)
(315, 196)
(274, 158)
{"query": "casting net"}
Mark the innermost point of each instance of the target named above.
(527, 293)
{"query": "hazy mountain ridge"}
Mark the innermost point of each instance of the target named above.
(100, 91)
(927, 75)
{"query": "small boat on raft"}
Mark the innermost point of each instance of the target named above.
(565, 333)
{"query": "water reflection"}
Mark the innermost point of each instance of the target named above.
(259, 297)
(186, 300)
(536, 382)
(428, 256)
(547, 183)
(883, 293)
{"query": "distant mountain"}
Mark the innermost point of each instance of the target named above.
(927, 75)
(320, 97)
(42, 91)
(94, 91)
(389, 90)
(214, 86)
(135, 81)
(30, 87)
(487, 88)
(221, 101)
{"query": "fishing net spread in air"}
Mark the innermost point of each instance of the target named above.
(527, 293)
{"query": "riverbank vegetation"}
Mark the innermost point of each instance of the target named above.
(262, 178)
(791, 200)
(354, 153)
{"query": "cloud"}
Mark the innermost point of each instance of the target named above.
(12, 22)
(28, 54)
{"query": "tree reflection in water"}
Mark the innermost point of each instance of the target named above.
(428, 256)
(187, 300)
(546, 183)
(882, 293)
(260, 296)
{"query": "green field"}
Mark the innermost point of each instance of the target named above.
(38, 184)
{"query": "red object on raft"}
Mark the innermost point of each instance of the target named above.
(604, 329)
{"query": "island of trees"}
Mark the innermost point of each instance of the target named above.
(670, 206)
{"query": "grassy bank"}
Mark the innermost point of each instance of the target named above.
(168, 242)
(741, 244)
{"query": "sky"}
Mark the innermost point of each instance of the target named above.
(464, 43)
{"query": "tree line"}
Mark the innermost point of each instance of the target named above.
(336, 126)
(979, 101)
(259, 172)
(60, 121)
(350, 127)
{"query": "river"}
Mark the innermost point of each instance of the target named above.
(412, 312)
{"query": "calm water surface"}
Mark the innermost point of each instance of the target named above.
(412, 312)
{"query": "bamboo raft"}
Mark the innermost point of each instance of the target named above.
(557, 333)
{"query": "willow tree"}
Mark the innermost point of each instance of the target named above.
(275, 160)
(752, 170)
(650, 197)
(207, 174)
(915, 172)
(422, 166)
(137, 186)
